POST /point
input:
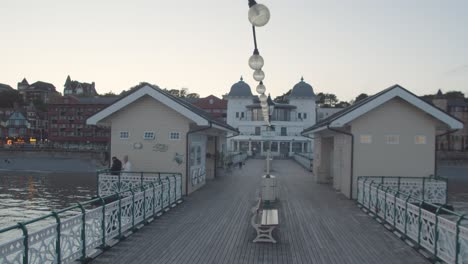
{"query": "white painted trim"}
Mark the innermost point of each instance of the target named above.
(397, 92)
(315, 130)
(222, 128)
(146, 90)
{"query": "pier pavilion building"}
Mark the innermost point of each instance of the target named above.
(288, 118)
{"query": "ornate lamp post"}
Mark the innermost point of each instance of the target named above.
(259, 15)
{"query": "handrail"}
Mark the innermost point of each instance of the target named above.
(445, 237)
(303, 155)
(90, 224)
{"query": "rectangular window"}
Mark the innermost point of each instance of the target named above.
(284, 131)
(392, 139)
(366, 139)
(242, 114)
(124, 134)
(174, 136)
(237, 114)
(257, 131)
(299, 115)
(305, 115)
(148, 135)
(420, 139)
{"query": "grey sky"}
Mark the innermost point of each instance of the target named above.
(343, 47)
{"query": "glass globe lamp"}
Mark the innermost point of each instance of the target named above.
(259, 15)
(263, 98)
(261, 88)
(258, 75)
(256, 62)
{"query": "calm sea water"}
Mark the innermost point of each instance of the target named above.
(28, 195)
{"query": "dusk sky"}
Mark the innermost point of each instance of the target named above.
(342, 47)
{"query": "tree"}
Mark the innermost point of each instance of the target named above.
(342, 104)
(282, 98)
(327, 99)
(360, 97)
(193, 95)
(109, 94)
(9, 98)
(454, 95)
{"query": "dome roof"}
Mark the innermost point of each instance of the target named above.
(302, 89)
(240, 88)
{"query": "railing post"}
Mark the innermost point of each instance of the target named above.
(364, 191)
(399, 181)
(370, 196)
(103, 222)
(133, 208)
(83, 232)
(175, 188)
(436, 230)
(457, 237)
(358, 182)
(168, 191)
(406, 213)
(120, 215)
(180, 177)
(423, 188)
(98, 177)
(162, 192)
(57, 243)
(141, 180)
(144, 204)
(420, 222)
(25, 243)
(119, 183)
(154, 199)
(395, 208)
(385, 204)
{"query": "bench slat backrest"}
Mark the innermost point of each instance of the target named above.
(270, 217)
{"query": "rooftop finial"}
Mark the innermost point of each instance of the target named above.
(302, 78)
(242, 78)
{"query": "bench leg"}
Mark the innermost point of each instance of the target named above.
(264, 234)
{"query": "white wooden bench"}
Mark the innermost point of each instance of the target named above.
(264, 221)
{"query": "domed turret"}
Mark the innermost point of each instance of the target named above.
(302, 89)
(240, 89)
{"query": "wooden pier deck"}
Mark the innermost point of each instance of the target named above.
(317, 225)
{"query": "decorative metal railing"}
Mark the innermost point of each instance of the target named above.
(428, 189)
(75, 233)
(112, 182)
(304, 159)
(440, 231)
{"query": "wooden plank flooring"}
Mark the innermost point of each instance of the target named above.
(317, 225)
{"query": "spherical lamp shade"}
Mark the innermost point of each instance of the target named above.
(259, 15)
(263, 98)
(261, 88)
(256, 62)
(258, 75)
(264, 104)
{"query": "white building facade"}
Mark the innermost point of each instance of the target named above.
(288, 120)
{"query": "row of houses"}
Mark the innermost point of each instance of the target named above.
(392, 133)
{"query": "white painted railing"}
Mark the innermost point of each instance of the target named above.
(304, 159)
(75, 233)
(440, 231)
(431, 190)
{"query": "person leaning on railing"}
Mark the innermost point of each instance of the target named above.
(116, 166)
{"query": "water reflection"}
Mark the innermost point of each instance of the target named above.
(25, 196)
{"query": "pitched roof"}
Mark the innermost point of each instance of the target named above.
(194, 113)
(350, 113)
(39, 85)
